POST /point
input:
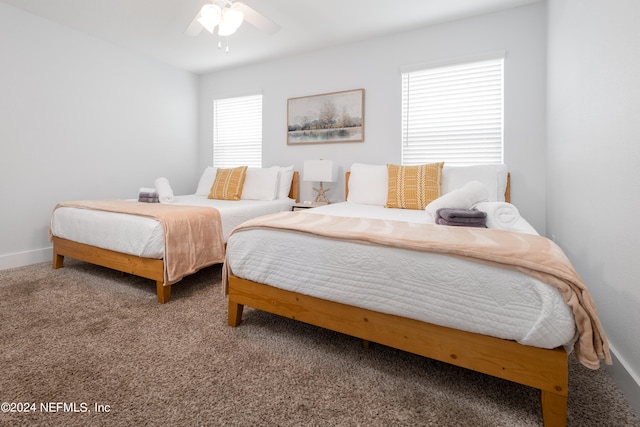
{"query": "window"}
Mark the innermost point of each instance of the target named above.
(237, 131)
(453, 114)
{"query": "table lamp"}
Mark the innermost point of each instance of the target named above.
(322, 171)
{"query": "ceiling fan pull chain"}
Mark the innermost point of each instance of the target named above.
(226, 42)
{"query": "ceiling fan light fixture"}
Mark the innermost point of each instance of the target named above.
(210, 16)
(230, 21)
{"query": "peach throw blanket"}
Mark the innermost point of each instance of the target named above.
(536, 256)
(192, 234)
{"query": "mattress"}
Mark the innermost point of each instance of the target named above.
(434, 288)
(143, 236)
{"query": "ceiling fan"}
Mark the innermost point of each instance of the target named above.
(228, 15)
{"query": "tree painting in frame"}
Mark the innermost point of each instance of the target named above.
(330, 117)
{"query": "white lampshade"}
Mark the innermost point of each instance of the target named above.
(320, 171)
(230, 21)
(209, 16)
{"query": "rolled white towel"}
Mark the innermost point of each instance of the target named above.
(165, 193)
(505, 216)
(464, 197)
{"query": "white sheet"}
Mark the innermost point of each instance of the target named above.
(434, 288)
(142, 236)
(359, 210)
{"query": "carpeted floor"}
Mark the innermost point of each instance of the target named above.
(90, 346)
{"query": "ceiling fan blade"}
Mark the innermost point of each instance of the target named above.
(256, 19)
(194, 28)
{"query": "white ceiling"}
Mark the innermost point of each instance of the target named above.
(155, 27)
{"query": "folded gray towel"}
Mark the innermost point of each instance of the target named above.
(442, 221)
(461, 217)
(149, 199)
(148, 194)
(461, 214)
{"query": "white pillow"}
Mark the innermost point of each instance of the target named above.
(494, 177)
(368, 184)
(260, 184)
(285, 175)
(206, 181)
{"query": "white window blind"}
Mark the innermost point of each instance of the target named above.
(453, 114)
(237, 131)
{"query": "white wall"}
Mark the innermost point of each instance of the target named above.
(375, 66)
(593, 157)
(80, 118)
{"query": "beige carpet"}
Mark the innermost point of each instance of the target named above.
(84, 335)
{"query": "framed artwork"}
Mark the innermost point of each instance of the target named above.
(330, 117)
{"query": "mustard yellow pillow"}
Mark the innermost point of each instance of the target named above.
(228, 184)
(414, 187)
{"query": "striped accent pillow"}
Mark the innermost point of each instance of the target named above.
(228, 184)
(414, 187)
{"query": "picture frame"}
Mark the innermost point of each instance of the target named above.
(326, 118)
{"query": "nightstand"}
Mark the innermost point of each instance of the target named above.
(303, 205)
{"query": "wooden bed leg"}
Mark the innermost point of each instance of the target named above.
(235, 313)
(58, 260)
(365, 344)
(164, 292)
(554, 409)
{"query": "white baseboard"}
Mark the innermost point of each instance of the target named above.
(626, 379)
(21, 259)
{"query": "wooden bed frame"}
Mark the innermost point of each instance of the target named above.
(148, 268)
(546, 370)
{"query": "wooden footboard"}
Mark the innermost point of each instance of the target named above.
(546, 370)
(144, 267)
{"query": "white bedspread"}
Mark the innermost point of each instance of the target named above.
(357, 210)
(434, 288)
(142, 236)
